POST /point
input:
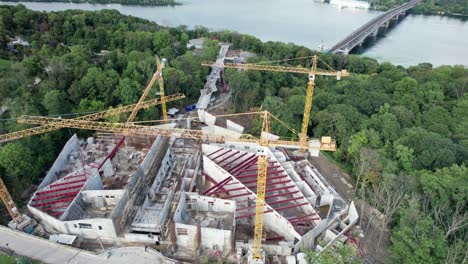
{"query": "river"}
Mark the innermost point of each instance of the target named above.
(417, 38)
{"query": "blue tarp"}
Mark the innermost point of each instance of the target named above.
(189, 108)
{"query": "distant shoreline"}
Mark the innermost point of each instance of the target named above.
(105, 2)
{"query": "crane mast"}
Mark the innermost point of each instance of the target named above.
(312, 73)
(160, 64)
(261, 188)
(9, 203)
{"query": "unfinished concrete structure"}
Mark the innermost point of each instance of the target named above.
(95, 186)
(204, 223)
(190, 198)
(299, 203)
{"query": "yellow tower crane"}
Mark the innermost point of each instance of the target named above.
(10, 204)
(312, 72)
(94, 116)
(160, 64)
(264, 141)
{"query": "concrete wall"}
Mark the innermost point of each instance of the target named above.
(92, 228)
(60, 162)
(186, 236)
(167, 207)
(102, 198)
(314, 180)
(234, 127)
(217, 131)
(210, 119)
(98, 227)
(163, 172)
(206, 203)
(280, 249)
(211, 238)
(127, 207)
(216, 239)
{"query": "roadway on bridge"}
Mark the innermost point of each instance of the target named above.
(359, 35)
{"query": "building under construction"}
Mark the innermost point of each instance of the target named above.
(188, 197)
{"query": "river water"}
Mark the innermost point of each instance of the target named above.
(416, 39)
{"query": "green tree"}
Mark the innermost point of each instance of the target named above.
(416, 239)
(335, 254)
(405, 157)
(128, 91)
(18, 163)
(55, 102)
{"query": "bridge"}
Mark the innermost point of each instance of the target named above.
(372, 28)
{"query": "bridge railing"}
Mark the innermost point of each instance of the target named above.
(371, 25)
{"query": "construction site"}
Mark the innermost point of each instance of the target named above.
(194, 186)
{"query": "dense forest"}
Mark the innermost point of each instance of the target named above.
(444, 7)
(402, 132)
(123, 2)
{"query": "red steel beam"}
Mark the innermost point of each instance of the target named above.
(66, 183)
(54, 202)
(250, 165)
(274, 238)
(284, 201)
(245, 208)
(243, 164)
(272, 167)
(59, 189)
(209, 178)
(294, 218)
(298, 230)
(112, 153)
(56, 213)
(219, 184)
(228, 157)
(229, 150)
(215, 152)
(55, 196)
(234, 160)
(280, 195)
(228, 190)
(74, 176)
(277, 188)
(249, 215)
(290, 206)
(270, 203)
(255, 174)
(47, 209)
(236, 195)
(269, 179)
(304, 219)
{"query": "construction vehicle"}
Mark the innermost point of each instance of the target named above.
(312, 72)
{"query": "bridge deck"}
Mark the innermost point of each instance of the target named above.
(359, 35)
